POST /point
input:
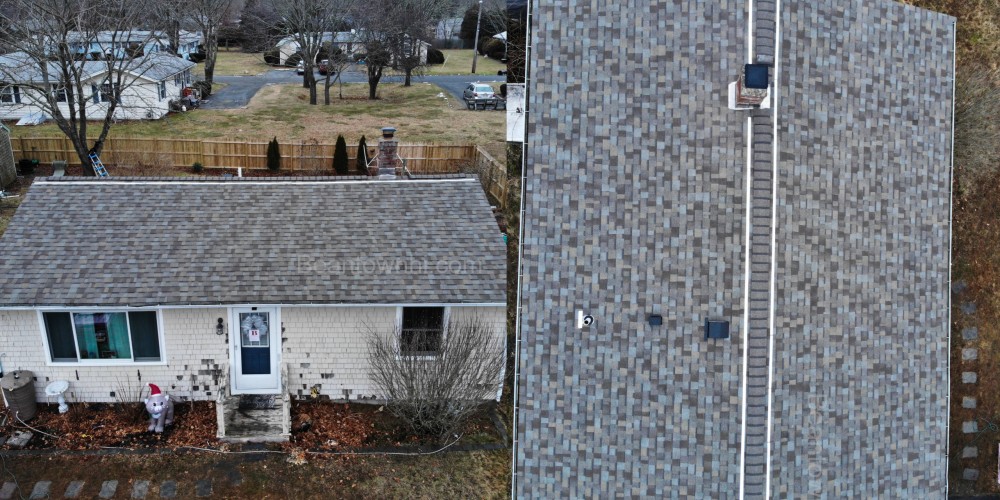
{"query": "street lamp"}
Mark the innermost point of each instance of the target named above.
(475, 46)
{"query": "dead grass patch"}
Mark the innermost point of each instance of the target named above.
(423, 113)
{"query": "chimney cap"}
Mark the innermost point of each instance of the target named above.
(755, 76)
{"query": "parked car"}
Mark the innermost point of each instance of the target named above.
(301, 68)
(324, 66)
(477, 91)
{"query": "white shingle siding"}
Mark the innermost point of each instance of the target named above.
(191, 348)
(332, 341)
(139, 101)
(323, 347)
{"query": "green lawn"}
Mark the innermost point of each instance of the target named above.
(235, 63)
(459, 62)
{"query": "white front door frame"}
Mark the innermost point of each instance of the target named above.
(255, 384)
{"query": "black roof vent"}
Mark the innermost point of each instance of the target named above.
(716, 329)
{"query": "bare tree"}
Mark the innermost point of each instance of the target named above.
(376, 25)
(414, 22)
(51, 64)
(209, 16)
(337, 62)
(435, 381)
(310, 23)
(260, 25)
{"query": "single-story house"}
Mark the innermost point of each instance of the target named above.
(347, 41)
(211, 287)
(120, 44)
(153, 82)
(188, 43)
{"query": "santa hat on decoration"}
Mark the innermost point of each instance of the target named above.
(153, 389)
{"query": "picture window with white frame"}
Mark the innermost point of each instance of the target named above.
(102, 336)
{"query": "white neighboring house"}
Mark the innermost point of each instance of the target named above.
(152, 83)
(119, 44)
(347, 41)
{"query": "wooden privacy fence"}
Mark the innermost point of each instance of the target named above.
(303, 155)
(493, 175)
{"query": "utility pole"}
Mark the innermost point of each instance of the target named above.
(475, 46)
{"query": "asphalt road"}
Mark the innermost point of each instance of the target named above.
(240, 89)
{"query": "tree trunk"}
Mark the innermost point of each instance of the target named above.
(211, 52)
(326, 87)
(374, 75)
(311, 83)
(406, 80)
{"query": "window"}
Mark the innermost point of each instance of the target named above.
(163, 90)
(131, 336)
(105, 93)
(10, 94)
(421, 331)
(59, 92)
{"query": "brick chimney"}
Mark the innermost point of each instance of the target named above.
(752, 86)
(388, 164)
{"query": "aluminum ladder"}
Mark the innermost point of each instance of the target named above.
(98, 165)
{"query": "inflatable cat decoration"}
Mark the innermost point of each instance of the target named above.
(160, 408)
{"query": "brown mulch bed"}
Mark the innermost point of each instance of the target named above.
(316, 425)
(328, 426)
(90, 426)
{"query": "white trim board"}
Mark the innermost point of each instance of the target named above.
(248, 183)
(217, 306)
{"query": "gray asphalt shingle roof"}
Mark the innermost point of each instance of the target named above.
(19, 67)
(134, 242)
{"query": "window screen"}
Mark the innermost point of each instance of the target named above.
(60, 334)
(145, 341)
(422, 330)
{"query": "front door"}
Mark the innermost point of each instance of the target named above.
(255, 344)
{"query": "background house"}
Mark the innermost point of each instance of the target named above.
(158, 78)
(347, 41)
(240, 286)
(817, 229)
(124, 44)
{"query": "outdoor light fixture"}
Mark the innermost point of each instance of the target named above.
(219, 329)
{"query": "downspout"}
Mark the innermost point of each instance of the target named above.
(520, 246)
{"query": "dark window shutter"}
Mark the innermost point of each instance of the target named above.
(145, 340)
(17, 94)
(97, 95)
(60, 334)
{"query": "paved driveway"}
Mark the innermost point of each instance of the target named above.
(240, 89)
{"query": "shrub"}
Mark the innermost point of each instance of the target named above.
(340, 161)
(435, 56)
(494, 48)
(197, 57)
(436, 396)
(204, 87)
(197, 167)
(271, 57)
(273, 155)
(361, 163)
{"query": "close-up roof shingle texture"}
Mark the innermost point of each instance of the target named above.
(140, 242)
(638, 183)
